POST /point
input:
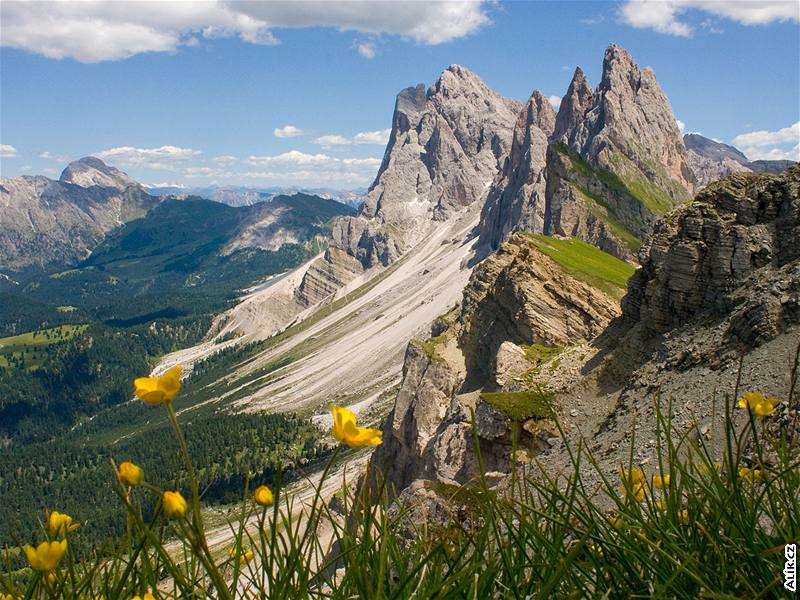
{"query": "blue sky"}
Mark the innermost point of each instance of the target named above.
(201, 93)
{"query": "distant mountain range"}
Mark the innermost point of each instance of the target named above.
(244, 196)
(50, 224)
(711, 160)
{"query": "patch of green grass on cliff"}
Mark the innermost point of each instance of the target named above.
(626, 179)
(598, 207)
(521, 406)
(586, 263)
(429, 347)
(539, 353)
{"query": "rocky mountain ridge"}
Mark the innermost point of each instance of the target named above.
(711, 160)
(720, 283)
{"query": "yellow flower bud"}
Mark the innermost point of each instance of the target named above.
(749, 474)
(130, 474)
(263, 496)
(756, 403)
(46, 556)
(60, 523)
(244, 558)
(159, 390)
(174, 504)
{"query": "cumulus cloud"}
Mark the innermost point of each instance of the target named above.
(165, 157)
(7, 151)
(555, 101)
(783, 144)
(287, 131)
(379, 137)
(225, 160)
(296, 166)
(664, 16)
(97, 31)
(366, 49)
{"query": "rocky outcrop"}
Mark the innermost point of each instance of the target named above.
(517, 199)
(700, 259)
(46, 223)
(517, 297)
(711, 161)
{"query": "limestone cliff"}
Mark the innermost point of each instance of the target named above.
(617, 161)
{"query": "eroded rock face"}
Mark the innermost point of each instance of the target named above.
(618, 159)
(698, 262)
(517, 199)
(446, 146)
(517, 296)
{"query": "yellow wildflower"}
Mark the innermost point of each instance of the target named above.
(683, 516)
(51, 577)
(60, 523)
(756, 403)
(633, 483)
(594, 548)
(147, 596)
(616, 521)
(130, 474)
(661, 504)
(158, 390)
(346, 431)
(244, 558)
(174, 504)
(46, 556)
(702, 468)
(263, 496)
(749, 474)
(660, 482)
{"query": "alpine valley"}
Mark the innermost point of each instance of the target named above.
(516, 281)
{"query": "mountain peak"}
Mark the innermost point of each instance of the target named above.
(90, 170)
(576, 102)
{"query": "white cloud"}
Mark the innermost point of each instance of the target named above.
(192, 172)
(7, 151)
(366, 49)
(555, 101)
(165, 157)
(378, 138)
(681, 125)
(328, 141)
(664, 16)
(225, 160)
(287, 131)
(783, 144)
(97, 31)
(319, 168)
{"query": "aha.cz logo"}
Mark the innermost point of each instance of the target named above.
(790, 568)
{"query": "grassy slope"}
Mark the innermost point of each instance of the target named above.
(586, 263)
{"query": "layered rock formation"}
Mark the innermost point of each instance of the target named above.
(46, 223)
(711, 160)
(745, 228)
(719, 284)
(517, 301)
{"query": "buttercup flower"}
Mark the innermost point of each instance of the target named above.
(758, 404)
(130, 474)
(633, 483)
(46, 556)
(60, 523)
(263, 496)
(161, 389)
(174, 504)
(346, 431)
(660, 482)
(683, 516)
(244, 558)
(749, 474)
(147, 596)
